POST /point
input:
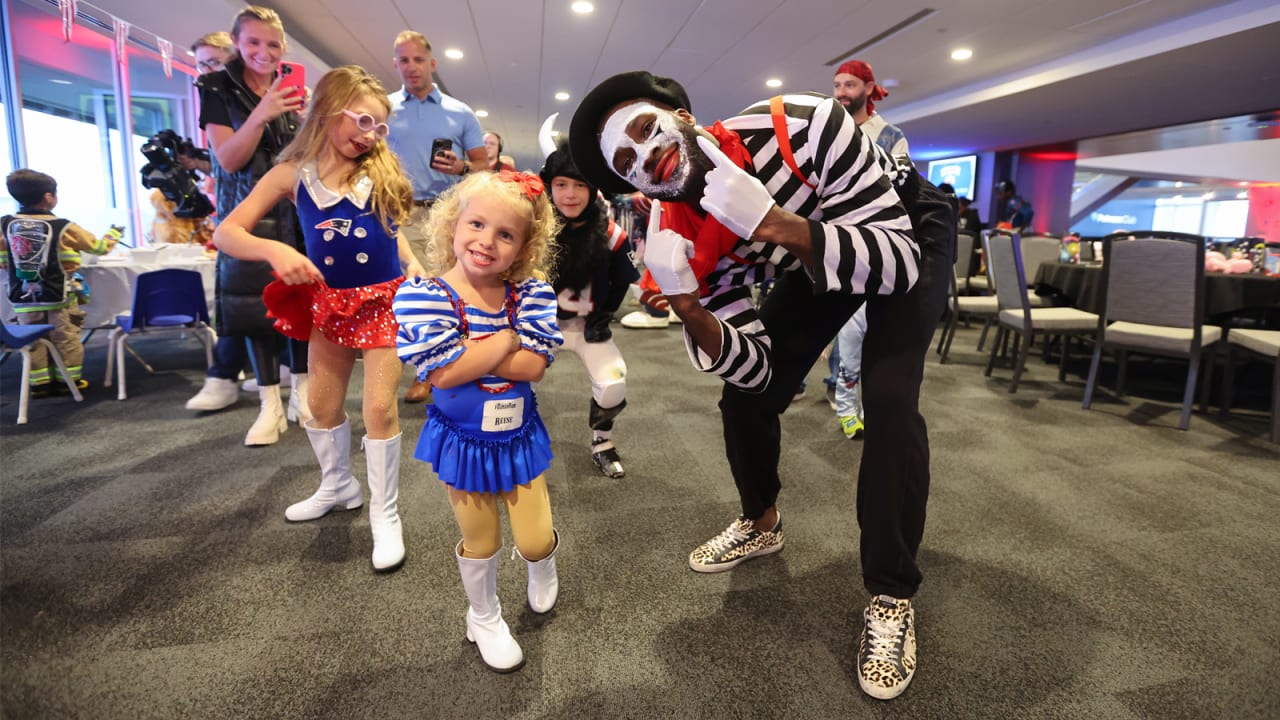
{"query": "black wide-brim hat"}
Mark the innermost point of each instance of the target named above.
(584, 129)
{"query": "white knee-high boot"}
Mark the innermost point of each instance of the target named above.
(544, 585)
(270, 423)
(383, 461)
(338, 488)
(299, 409)
(485, 626)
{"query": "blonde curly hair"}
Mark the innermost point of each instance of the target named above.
(535, 255)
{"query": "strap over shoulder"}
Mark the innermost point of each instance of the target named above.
(779, 115)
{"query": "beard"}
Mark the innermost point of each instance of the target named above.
(855, 104)
(689, 181)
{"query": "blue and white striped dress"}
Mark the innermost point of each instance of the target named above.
(486, 435)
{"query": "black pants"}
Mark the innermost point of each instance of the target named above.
(893, 479)
(265, 352)
(233, 353)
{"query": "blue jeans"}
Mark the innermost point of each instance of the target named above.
(849, 344)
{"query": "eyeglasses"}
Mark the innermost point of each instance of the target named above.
(209, 65)
(365, 122)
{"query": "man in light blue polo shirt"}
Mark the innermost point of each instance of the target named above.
(420, 114)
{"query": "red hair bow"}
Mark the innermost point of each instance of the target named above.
(532, 184)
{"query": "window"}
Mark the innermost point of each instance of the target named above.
(1226, 218)
(1179, 213)
(1214, 209)
(7, 204)
(157, 103)
(68, 115)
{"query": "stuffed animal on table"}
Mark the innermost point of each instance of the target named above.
(167, 228)
(1215, 261)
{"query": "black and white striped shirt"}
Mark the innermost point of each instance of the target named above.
(862, 238)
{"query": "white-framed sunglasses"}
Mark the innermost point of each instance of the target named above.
(365, 122)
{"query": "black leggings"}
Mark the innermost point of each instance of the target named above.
(265, 352)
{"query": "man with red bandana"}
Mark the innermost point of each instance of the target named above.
(856, 89)
(791, 189)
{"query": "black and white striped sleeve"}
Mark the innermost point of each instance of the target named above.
(744, 345)
(863, 242)
(860, 232)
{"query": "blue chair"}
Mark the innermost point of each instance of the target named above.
(169, 300)
(20, 339)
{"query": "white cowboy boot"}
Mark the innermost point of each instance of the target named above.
(485, 626)
(299, 409)
(544, 585)
(382, 457)
(271, 422)
(338, 488)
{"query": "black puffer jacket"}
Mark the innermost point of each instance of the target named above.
(238, 291)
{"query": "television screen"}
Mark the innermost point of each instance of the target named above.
(960, 172)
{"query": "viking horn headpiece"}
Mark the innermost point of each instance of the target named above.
(545, 141)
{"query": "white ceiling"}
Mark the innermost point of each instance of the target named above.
(1043, 71)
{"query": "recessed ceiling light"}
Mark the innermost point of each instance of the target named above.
(773, 82)
(1243, 183)
(59, 81)
(453, 54)
(582, 7)
(961, 54)
(482, 113)
(562, 95)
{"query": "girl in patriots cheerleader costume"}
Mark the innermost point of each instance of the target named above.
(482, 328)
(351, 196)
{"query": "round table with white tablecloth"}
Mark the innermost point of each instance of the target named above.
(111, 278)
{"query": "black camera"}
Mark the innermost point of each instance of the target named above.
(178, 184)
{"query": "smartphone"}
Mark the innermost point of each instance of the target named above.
(294, 76)
(439, 145)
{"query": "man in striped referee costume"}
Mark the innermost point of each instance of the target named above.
(793, 191)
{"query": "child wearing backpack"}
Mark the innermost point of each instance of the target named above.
(39, 256)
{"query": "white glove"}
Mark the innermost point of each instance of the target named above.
(735, 198)
(666, 255)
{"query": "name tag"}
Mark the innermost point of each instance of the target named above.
(503, 415)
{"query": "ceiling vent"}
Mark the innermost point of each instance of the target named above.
(918, 17)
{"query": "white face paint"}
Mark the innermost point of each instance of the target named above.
(663, 142)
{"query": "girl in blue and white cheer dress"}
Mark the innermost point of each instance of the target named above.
(482, 328)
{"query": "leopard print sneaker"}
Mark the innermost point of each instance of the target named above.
(739, 542)
(887, 648)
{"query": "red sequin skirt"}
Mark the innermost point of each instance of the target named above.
(351, 317)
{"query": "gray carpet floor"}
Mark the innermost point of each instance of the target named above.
(1077, 564)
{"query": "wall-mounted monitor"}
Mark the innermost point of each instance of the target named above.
(960, 172)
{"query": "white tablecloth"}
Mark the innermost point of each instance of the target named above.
(111, 284)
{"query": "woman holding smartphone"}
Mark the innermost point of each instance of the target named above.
(249, 115)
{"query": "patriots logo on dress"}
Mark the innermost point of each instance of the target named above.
(341, 225)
